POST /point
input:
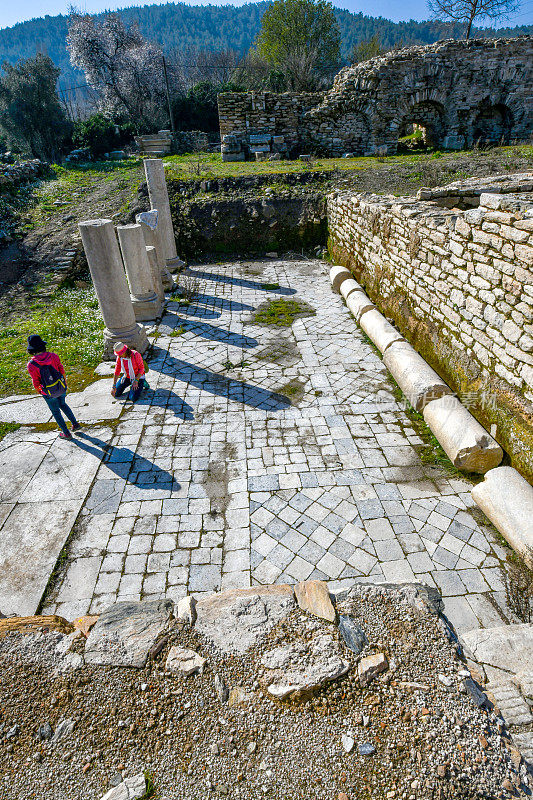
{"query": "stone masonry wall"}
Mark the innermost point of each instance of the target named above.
(460, 92)
(454, 271)
(245, 113)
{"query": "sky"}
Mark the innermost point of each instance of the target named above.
(397, 10)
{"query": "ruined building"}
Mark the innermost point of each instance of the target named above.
(459, 92)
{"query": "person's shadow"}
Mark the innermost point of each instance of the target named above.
(126, 464)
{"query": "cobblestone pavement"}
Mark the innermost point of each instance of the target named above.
(266, 454)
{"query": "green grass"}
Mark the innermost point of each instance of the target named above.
(294, 390)
(8, 427)
(282, 313)
(70, 323)
(270, 287)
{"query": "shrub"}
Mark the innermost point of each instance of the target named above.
(98, 133)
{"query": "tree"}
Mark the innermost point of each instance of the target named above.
(466, 11)
(31, 116)
(122, 65)
(366, 49)
(301, 39)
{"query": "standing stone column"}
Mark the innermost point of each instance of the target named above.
(107, 271)
(145, 301)
(156, 272)
(149, 222)
(158, 194)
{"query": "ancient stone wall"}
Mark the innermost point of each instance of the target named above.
(458, 92)
(454, 271)
(242, 114)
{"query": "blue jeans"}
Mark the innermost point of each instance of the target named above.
(58, 405)
(122, 385)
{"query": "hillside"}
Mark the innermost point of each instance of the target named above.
(178, 27)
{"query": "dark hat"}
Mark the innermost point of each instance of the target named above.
(36, 344)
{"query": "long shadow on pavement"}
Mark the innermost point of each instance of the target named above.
(262, 287)
(220, 385)
(211, 332)
(126, 464)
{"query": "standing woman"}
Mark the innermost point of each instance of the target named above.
(130, 368)
(49, 380)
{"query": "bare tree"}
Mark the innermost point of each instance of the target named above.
(121, 64)
(466, 11)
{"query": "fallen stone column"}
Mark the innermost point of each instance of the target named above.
(379, 330)
(349, 286)
(145, 301)
(149, 222)
(156, 272)
(506, 498)
(419, 383)
(154, 169)
(337, 275)
(109, 280)
(358, 303)
(466, 443)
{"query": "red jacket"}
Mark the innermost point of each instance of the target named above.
(137, 364)
(43, 358)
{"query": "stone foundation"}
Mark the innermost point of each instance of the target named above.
(454, 272)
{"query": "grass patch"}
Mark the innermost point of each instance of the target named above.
(431, 451)
(70, 323)
(229, 365)
(270, 287)
(282, 313)
(151, 792)
(517, 579)
(8, 427)
(294, 390)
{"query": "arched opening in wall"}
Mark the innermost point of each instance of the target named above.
(422, 126)
(492, 125)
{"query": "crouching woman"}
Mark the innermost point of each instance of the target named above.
(129, 371)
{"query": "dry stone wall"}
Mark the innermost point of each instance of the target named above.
(458, 92)
(453, 269)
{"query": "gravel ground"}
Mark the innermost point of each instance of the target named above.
(430, 739)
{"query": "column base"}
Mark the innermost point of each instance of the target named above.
(146, 307)
(134, 337)
(175, 265)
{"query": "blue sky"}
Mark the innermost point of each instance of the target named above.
(397, 10)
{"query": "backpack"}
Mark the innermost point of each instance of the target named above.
(53, 383)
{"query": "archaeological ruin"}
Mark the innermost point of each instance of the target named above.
(458, 92)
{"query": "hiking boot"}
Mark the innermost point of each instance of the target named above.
(76, 427)
(66, 436)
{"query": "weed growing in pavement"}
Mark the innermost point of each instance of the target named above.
(270, 287)
(188, 287)
(294, 390)
(282, 313)
(70, 323)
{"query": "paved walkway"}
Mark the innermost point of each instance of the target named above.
(217, 480)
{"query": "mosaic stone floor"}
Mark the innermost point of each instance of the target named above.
(265, 454)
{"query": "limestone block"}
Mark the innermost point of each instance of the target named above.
(377, 328)
(337, 275)
(184, 662)
(126, 632)
(349, 286)
(419, 383)
(358, 303)
(237, 619)
(313, 596)
(507, 647)
(130, 789)
(468, 446)
(507, 500)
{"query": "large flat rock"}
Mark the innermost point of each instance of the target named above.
(508, 647)
(299, 668)
(18, 463)
(238, 619)
(92, 404)
(31, 540)
(125, 633)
